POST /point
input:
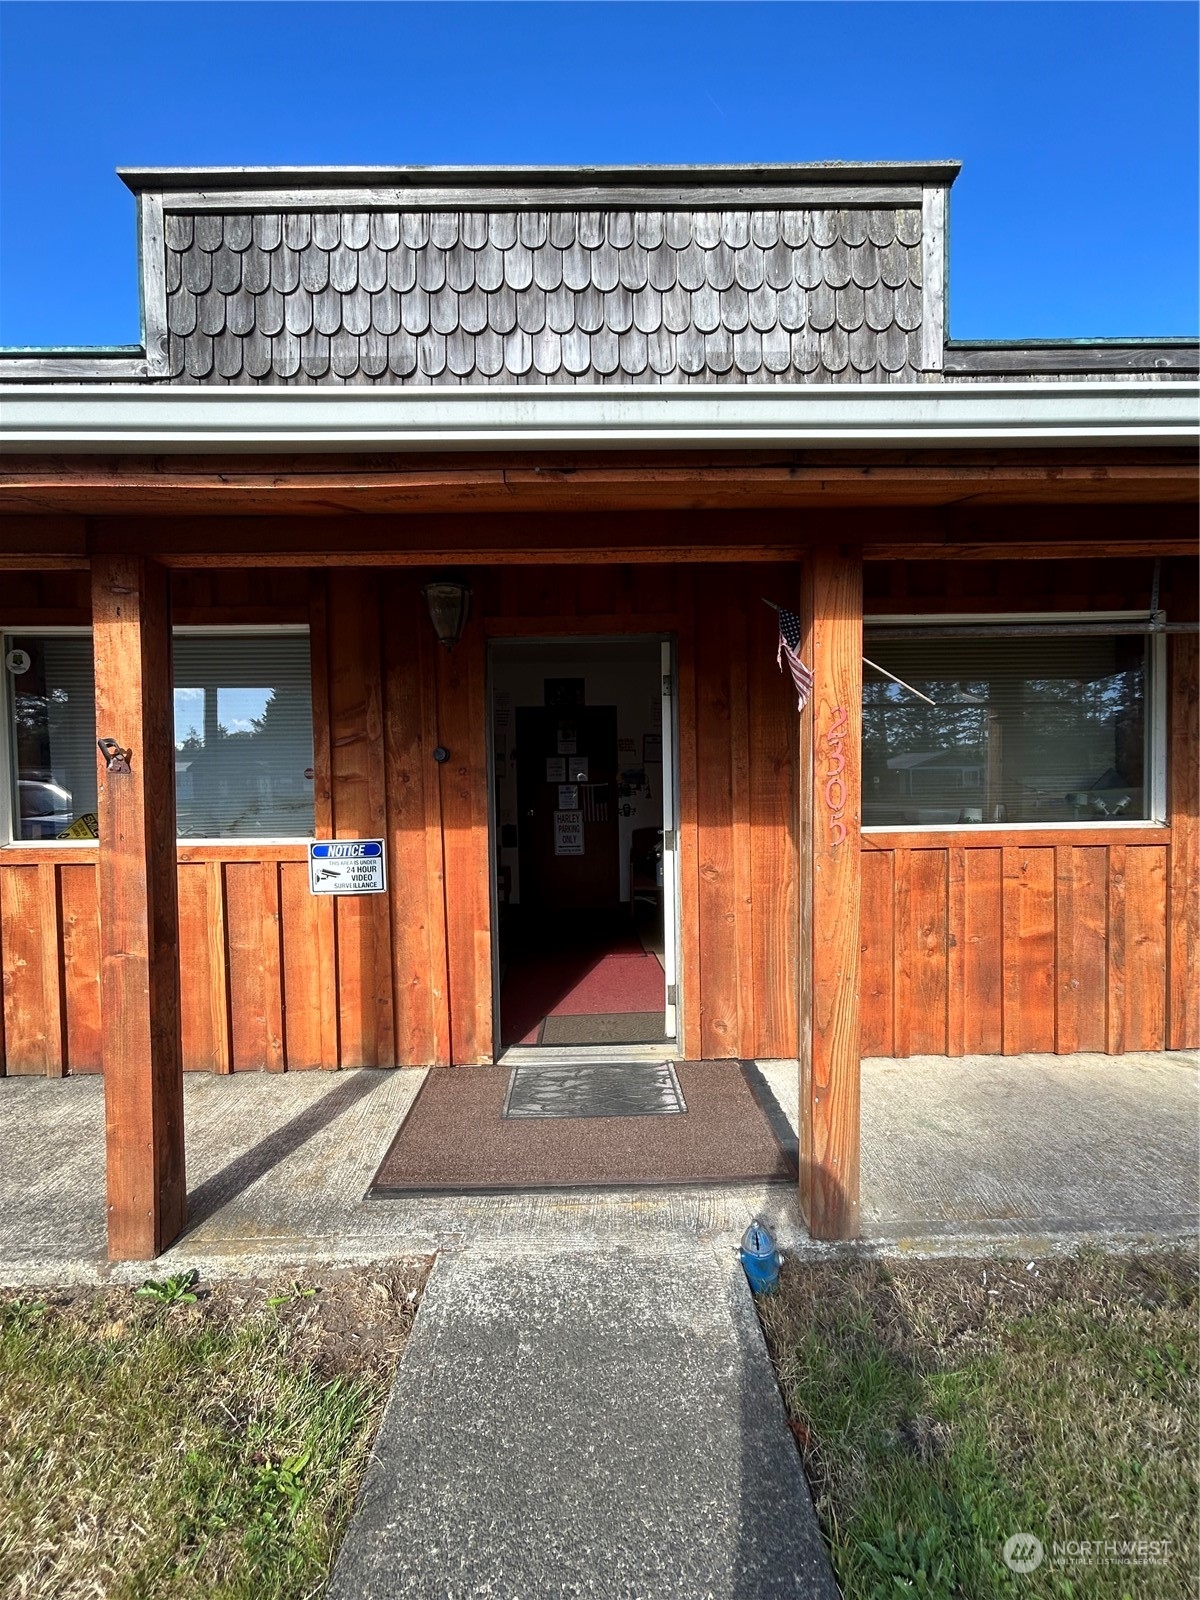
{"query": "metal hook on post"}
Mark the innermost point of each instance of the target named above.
(116, 757)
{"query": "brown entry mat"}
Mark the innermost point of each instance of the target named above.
(455, 1139)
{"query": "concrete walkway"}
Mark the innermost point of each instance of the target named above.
(603, 1424)
(1013, 1155)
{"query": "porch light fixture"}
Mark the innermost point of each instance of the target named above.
(449, 604)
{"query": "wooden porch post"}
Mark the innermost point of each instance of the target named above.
(139, 961)
(830, 940)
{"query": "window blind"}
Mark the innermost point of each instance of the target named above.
(243, 736)
(1046, 730)
(53, 722)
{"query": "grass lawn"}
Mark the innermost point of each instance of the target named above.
(943, 1406)
(163, 1446)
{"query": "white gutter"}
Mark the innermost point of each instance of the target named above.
(99, 418)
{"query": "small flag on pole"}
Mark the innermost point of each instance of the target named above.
(789, 648)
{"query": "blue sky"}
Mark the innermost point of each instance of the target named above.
(1075, 215)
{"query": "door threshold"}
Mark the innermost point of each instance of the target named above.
(582, 1055)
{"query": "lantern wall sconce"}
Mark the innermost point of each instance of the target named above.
(449, 604)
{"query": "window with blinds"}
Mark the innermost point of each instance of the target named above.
(52, 723)
(243, 736)
(1050, 730)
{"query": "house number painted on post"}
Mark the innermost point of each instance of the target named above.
(835, 787)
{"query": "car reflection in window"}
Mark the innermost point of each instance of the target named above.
(46, 808)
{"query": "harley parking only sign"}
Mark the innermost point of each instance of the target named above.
(346, 866)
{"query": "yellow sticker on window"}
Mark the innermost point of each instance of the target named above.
(85, 827)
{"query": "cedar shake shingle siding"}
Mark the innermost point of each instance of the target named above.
(825, 273)
(784, 295)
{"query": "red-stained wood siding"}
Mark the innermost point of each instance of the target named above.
(1000, 941)
(998, 946)
(272, 978)
(980, 942)
(739, 774)
(358, 776)
(34, 1038)
(1183, 902)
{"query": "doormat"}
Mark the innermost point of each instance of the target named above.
(612, 1027)
(616, 1089)
(457, 1140)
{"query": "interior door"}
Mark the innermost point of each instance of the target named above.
(670, 856)
(567, 794)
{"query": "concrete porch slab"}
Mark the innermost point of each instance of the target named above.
(1018, 1153)
(1019, 1144)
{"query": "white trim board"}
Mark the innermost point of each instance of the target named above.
(196, 418)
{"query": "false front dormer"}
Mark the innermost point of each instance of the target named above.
(588, 276)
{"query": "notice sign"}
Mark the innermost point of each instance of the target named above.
(568, 833)
(346, 866)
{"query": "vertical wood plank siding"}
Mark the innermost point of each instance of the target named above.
(358, 777)
(1051, 947)
(1184, 879)
(1063, 940)
(738, 825)
(971, 943)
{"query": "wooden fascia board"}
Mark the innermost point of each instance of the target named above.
(152, 487)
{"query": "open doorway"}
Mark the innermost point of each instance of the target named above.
(583, 811)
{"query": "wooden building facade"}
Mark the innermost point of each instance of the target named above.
(619, 407)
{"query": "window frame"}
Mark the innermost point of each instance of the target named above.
(242, 630)
(1156, 720)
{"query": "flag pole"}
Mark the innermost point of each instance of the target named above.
(875, 667)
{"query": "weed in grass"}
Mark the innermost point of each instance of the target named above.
(914, 1563)
(178, 1290)
(296, 1291)
(19, 1316)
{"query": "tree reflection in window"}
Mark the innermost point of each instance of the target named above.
(1022, 730)
(243, 737)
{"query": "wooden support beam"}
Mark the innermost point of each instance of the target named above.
(43, 562)
(1035, 550)
(969, 532)
(830, 945)
(139, 966)
(293, 486)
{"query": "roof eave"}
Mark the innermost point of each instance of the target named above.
(164, 180)
(117, 419)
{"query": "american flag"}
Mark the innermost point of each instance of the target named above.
(789, 648)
